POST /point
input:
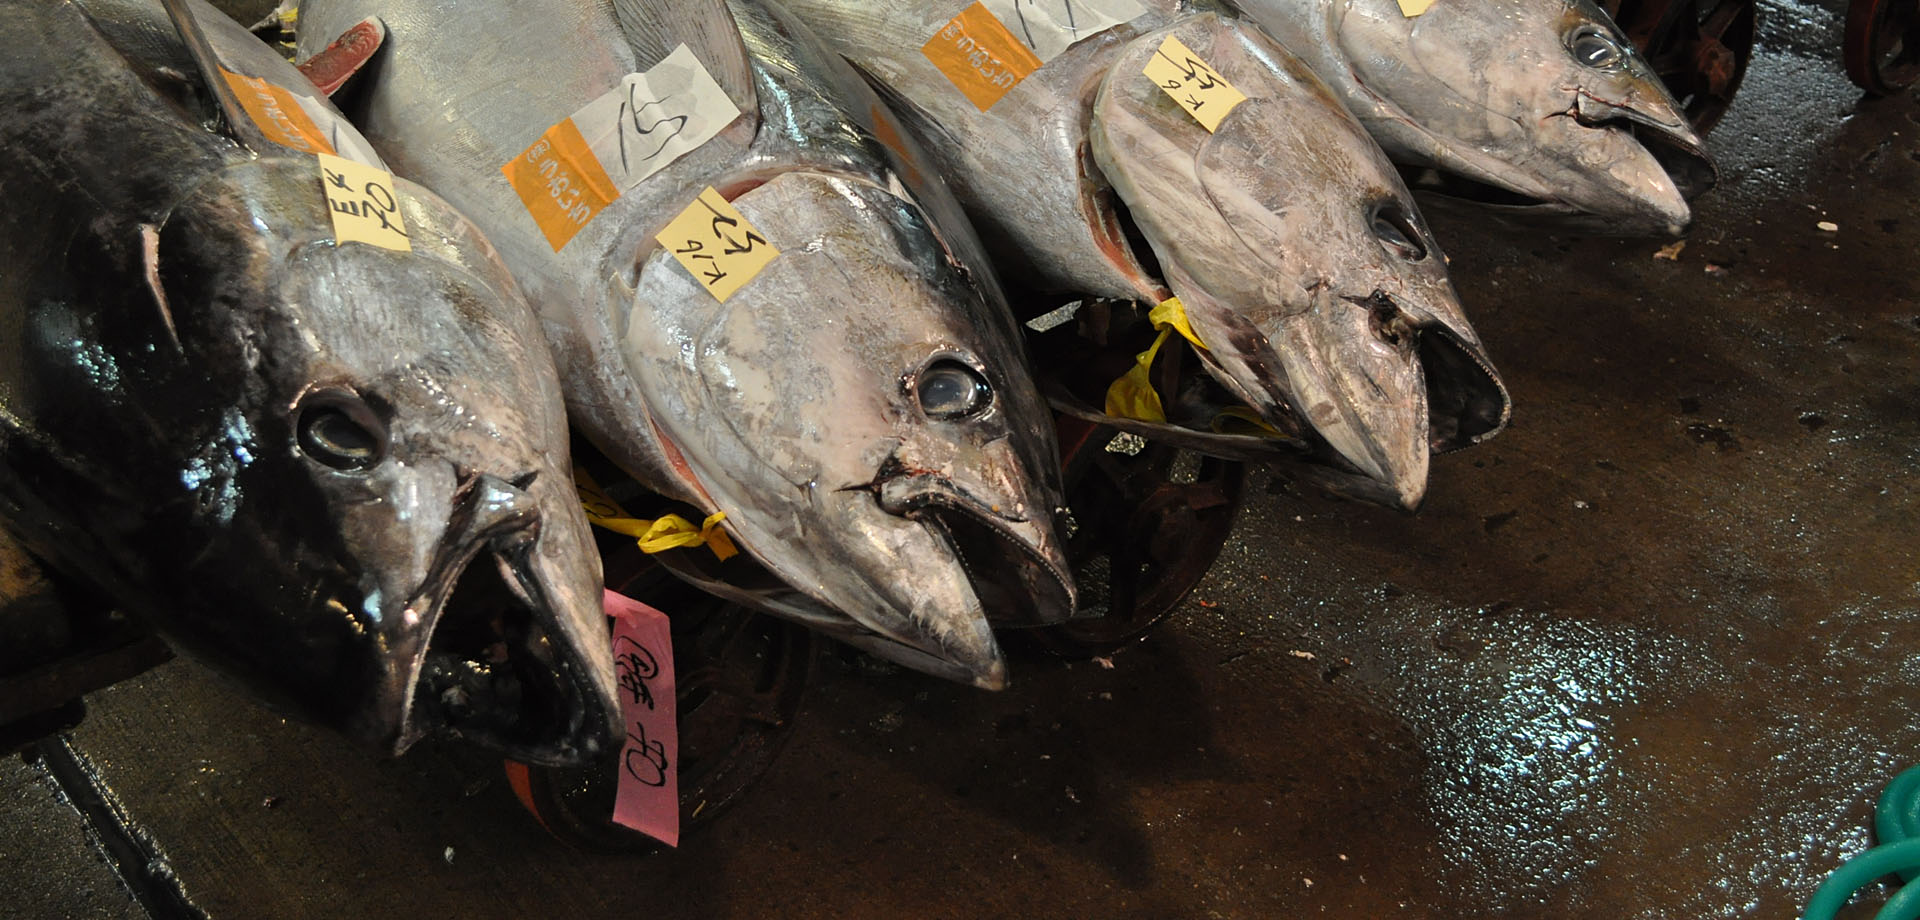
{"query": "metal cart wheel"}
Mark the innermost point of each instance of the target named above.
(1147, 521)
(1882, 45)
(1699, 48)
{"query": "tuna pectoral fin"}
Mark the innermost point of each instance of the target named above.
(239, 125)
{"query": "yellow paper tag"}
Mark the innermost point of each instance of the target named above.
(365, 207)
(1412, 8)
(278, 114)
(561, 182)
(1192, 83)
(716, 245)
(980, 56)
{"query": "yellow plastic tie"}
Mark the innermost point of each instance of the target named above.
(1132, 396)
(656, 536)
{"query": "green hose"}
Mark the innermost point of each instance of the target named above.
(1896, 821)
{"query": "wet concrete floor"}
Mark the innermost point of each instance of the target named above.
(1646, 655)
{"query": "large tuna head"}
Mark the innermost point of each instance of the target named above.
(1534, 105)
(1304, 268)
(379, 526)
(860, 412)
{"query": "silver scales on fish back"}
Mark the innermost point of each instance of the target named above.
(1316, 294)
(860, 411)
(329, 458)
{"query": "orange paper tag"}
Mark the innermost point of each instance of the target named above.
(278, 114)
(716, 245)
(1191, 82)
(1412, 8)
(561, 182)
(980, 56)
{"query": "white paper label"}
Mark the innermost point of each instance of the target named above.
(1049, 26)
(654, 118)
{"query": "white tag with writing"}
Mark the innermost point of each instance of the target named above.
(1049, 26)
(654, 118)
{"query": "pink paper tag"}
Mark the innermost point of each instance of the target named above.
(648, 797)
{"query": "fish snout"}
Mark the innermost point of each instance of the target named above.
(1013, 556)
(1652, 159)
(502, 645)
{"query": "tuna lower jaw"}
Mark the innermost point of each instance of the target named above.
(900, 642)
(1617, 177)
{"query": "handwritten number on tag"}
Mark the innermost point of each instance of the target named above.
(365, 208)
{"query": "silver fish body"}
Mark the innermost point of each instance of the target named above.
(1529, 106)
(861, 410)
(1300, 259)
(306, 461)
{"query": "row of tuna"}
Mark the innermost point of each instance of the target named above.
(296, 386)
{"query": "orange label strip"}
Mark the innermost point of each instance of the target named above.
(980, 56)
(278, 114)
(561, 182)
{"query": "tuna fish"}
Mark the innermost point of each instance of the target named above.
(1301, 262)
(860, 410)
(1529, 106)
(333, 469)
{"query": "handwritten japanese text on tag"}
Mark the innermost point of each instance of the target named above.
(585, 162)
(1192, 83)
(716, 245)
(1051, 26)
(647, 793)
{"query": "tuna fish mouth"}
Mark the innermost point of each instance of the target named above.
(1466, 401)
(749, 582)
(492, 673)
(493, 670)
(1019, 577)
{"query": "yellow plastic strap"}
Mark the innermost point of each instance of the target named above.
(1133, 396)
(655, 536)
(673, 532)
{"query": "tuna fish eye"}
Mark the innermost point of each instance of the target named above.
(340, 431)
(1397, 233)
(1596, 49)
(950, 390)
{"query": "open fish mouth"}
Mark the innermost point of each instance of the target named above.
(1020, 579)
(1466, 401)
(748, 581)
(493, 669)
(1429, 390)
